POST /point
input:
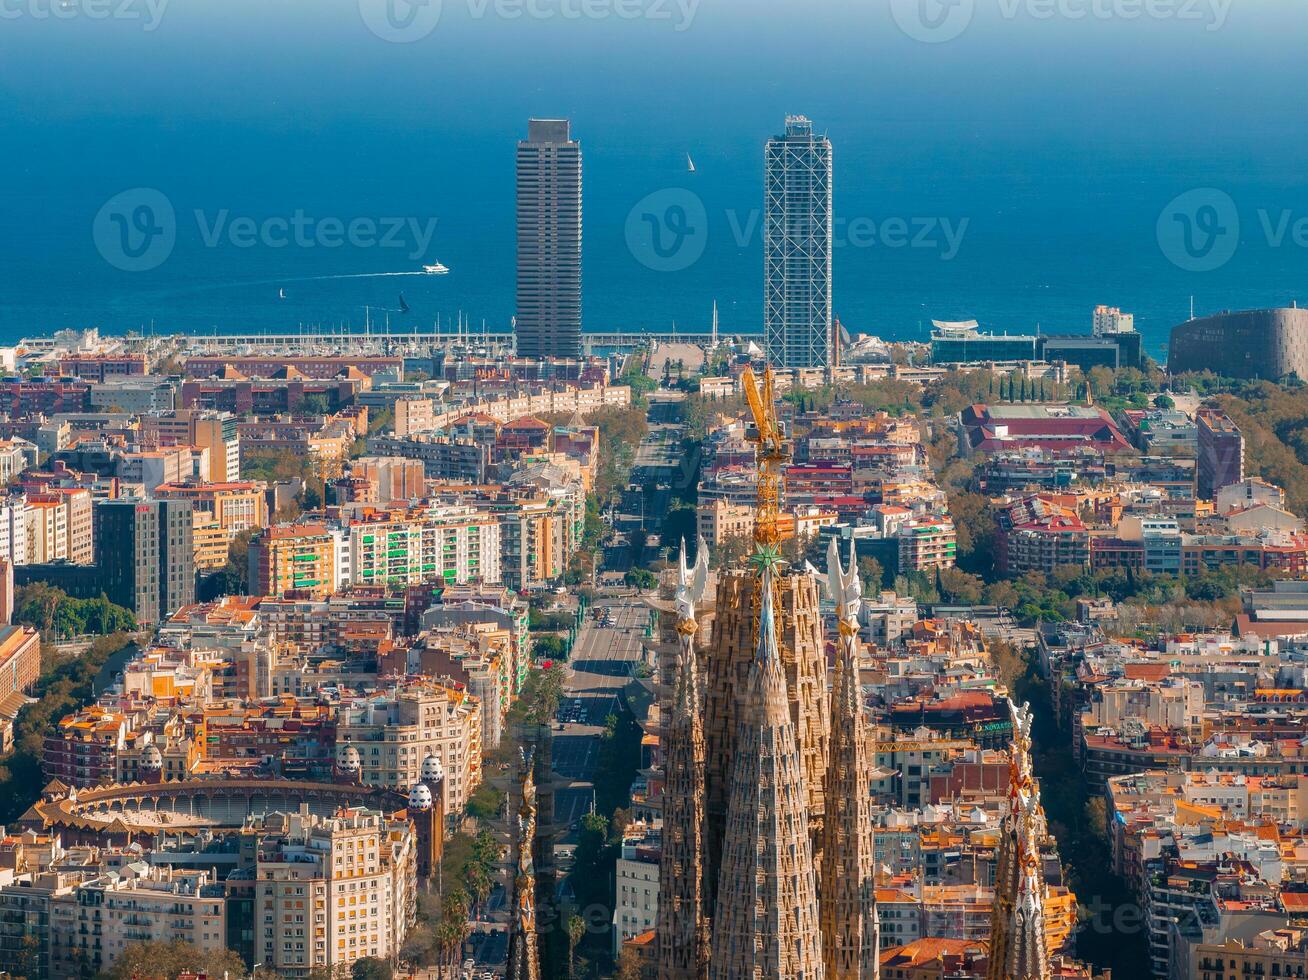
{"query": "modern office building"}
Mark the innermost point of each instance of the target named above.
(1269, 344)
(1220, 452)
(964, 343)
(548, 321)
(144, 559)
(145, 553)
(797, 243)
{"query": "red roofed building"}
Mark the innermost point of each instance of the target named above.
(523, 435)
(936, 959)
(1056, 428)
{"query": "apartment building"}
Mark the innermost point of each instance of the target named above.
(20, 659)
(396, 729)
(300, 558)
(452, 545)
(82, 750)
(390, 477)
(214, 431)
(330, 890)
(926, 544)
(225, 509)
(91, 924)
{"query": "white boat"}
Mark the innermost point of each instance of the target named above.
(435, 270)
(690, 164)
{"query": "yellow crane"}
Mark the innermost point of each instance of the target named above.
(772, 452)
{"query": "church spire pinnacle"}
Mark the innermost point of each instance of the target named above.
(850, 932)
(683, 929)
(524, 958)
(1018, 948)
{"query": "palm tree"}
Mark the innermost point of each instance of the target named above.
(576, 931)
(477, 877)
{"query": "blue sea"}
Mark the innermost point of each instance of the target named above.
(216, 165)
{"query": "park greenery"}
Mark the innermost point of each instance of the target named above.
(61, 690)
(58, 615)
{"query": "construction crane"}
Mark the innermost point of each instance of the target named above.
(772, 452)
(771, 455)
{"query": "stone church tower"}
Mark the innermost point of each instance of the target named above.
(765, 924)
(1018, 947)
(682, 936)
(850, 931)
(798, 626)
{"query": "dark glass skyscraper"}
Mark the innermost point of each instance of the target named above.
(549, 241)
(145, 556)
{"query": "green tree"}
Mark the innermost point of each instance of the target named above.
(166, 960)
(641, 578)
(872, 574)
(371, 968)
(576, 932)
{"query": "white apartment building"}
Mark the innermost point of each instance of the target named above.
(636, 889)
(13, 529)
(92, 924)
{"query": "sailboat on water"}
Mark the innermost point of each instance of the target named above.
(690, 164)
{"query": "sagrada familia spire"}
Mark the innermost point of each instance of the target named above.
(768, 864)
(765, 923)
(524, 958)
(850, 932)
(1018, 947)
(683, 931)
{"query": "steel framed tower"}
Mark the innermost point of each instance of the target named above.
(797, 243)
